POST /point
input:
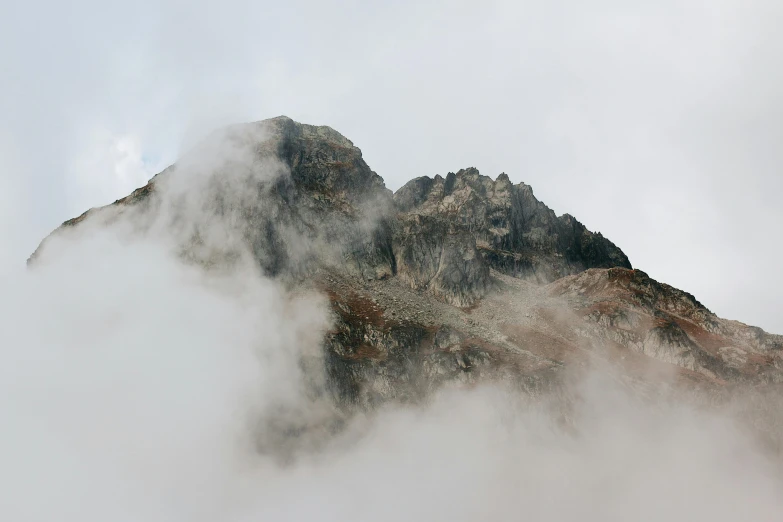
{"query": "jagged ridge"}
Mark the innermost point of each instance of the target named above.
(515, 233)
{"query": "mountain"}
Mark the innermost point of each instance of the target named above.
(450, 279)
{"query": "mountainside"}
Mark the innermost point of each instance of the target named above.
(449, 279)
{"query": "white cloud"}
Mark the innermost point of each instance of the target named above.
(112, 167)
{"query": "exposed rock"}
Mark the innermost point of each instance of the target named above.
(516, 234)
(440, 257)
(670, 325)
(295, 195)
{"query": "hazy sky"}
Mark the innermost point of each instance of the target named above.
(657, 123)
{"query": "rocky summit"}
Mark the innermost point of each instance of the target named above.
(459, 278)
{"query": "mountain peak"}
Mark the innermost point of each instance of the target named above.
(456, 277)
(286, 127)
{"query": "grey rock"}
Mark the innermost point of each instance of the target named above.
(296, 196)
(515, 233)
(437, 256)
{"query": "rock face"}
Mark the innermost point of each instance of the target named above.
(670, 325)
(461, 278)
(440, 257)
(295, 195)
(515, 233)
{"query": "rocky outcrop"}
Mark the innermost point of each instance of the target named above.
(390, 342)
(435, 255)
(296, 196)
(670, 325)
(454, 279)
(516, 234)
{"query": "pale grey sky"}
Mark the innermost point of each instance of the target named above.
(657, 123)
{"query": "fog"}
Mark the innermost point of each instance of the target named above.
(139, 385)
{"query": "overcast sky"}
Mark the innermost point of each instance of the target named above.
(657, 123)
